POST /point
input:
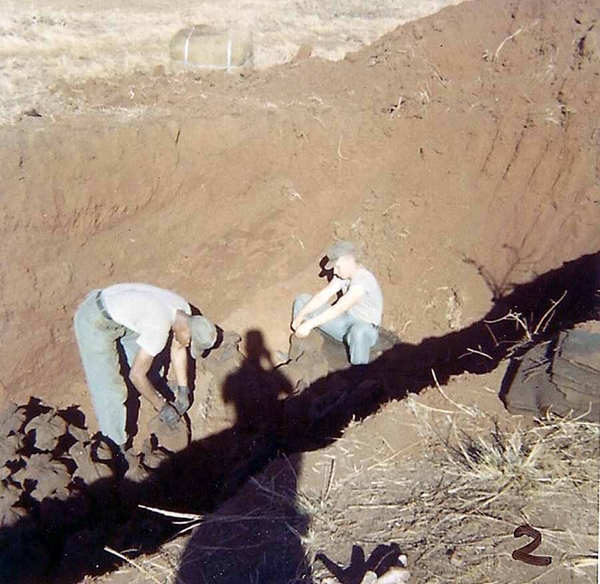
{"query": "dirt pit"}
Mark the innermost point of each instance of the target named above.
(461, 151)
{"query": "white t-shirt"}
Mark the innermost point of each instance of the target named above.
(370, 305)
(145, 309)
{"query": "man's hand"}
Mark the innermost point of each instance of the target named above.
(297, 322)
(303, 330)
(169, 416)
(182, 399)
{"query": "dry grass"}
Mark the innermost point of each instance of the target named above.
(453, 509)
(530, 331)
(41, 45)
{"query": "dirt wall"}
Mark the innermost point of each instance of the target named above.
(460, 150)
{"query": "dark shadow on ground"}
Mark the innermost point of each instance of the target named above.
(255, 536)
(256, 388)
(67, 537)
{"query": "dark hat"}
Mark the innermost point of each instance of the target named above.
(337, 250)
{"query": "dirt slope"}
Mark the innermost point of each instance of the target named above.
(461, 150)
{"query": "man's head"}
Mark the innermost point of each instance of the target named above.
(204, 335)
(196, 331)
(341, 258)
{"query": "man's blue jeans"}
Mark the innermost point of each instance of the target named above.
(97, 339)
(358, 335)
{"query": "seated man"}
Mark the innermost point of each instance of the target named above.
(141, 318)
(355, 318)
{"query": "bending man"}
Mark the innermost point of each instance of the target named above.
(355, 318)
(140, 318)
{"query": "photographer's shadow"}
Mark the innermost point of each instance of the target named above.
(257, 389)
(255, 536)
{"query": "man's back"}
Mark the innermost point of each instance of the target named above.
(145, 309)
(369, 308)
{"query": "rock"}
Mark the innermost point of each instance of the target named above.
(310, 345)
(101, 451)
(136, 472)
(303, 373)
(227, 351)
(304, 52)
(48, 429)
(10, 517)
(173, 439)
(11, 420)
(79, 434)
(152, 457)
(9, 450)
(10, 512)
(139, 482)
(88, 469)
(369, 578)
(51, 477)
(395, 575)
(214, 48)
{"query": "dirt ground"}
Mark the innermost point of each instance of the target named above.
(462, 151)
(405, 477)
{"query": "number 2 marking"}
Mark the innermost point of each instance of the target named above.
(523, 554)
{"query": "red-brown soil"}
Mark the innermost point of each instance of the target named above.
(443, 148)
(462, 151)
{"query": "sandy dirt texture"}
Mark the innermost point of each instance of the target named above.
(461, 151)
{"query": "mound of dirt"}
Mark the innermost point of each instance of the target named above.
(560, 375)
(66, 494)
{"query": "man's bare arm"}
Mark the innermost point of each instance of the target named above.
(316, 302)
(179, 361)
(139, 377)
(345, 303)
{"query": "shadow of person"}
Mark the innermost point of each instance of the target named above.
(382, 559)
(255, 536)
(256, 389)
(324, 271)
